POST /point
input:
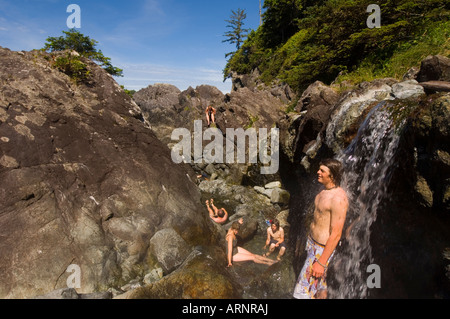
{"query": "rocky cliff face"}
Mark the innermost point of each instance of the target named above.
(84, 181)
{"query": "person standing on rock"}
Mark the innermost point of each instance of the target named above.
(330, 210)
(236, 253)
(210, 115)
(220, 216)
(275, 238)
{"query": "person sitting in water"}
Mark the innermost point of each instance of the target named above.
(236, 253)
(220, 216)
(275, 238)
(210, 115)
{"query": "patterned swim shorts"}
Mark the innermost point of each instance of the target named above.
(304, 288)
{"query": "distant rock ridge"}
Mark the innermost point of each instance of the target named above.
(166, 108)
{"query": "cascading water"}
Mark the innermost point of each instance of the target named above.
(368, 161)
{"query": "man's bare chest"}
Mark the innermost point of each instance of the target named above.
(323, 202)
(276, 234)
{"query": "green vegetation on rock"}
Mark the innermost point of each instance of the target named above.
(301, 41)
(71, 64)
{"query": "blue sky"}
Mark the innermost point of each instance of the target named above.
(153, 41)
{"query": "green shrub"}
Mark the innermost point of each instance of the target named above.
(73, 40)
(72, 65)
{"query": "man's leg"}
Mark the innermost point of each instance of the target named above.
(321, 294)
(281, 253)
(271, 249)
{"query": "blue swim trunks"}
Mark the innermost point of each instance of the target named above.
(304, 288)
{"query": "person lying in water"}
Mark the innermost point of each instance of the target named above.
(220, 216)
(236, 253)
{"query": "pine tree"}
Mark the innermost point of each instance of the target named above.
(237, 34)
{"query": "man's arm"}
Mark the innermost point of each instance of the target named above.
(211, 213)
(225, 216)
(230, 251)
(338, 213)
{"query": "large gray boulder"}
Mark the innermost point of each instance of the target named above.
(83, 180)
(169, 248)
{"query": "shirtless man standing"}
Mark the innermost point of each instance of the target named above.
(330, 210)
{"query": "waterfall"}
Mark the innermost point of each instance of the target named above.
(368, 162)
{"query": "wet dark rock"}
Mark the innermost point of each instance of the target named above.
(273, 283)
(430, 137)
(434, 68)
(436, 86)
(317, 95)
(202, 276)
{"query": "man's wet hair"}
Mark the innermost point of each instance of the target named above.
(336, 169)
(276, 223)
